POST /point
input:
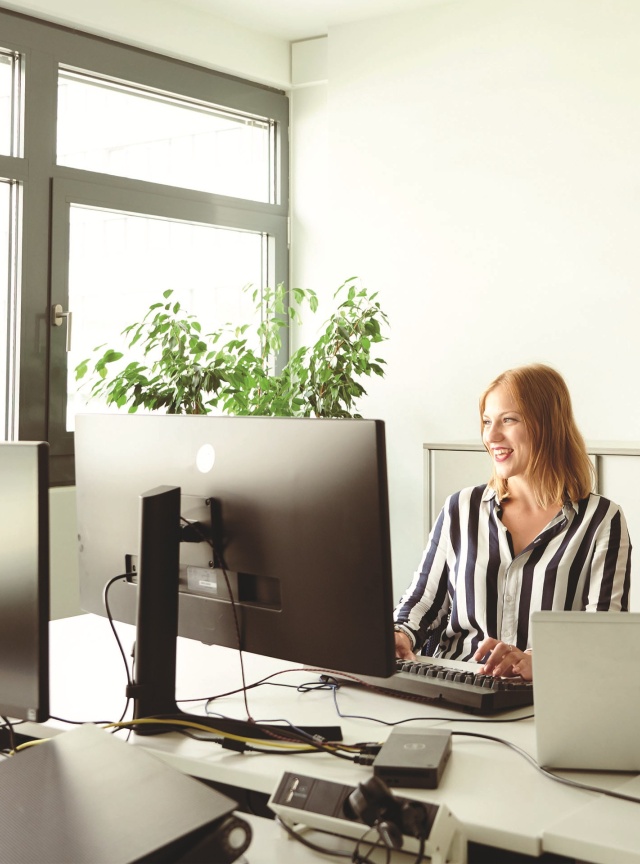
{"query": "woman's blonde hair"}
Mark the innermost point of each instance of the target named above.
(559, 467)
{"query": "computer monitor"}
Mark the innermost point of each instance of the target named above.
(296, 508)
(24, 580)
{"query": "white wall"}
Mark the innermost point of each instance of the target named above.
(65, 591)
(173, 28)
(482, 173)
(310, 257)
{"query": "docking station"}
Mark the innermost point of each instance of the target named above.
(413, 758)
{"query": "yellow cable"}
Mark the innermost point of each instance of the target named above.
(26, 744)
(200, 726)
(126, 724)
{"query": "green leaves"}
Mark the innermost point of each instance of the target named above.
(188, 372)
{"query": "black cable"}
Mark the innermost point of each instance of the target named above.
(81, 722)
(545, 771)
(465, 719)
(218, 559)
(357, 855)
(216, 739)
(300, 735)
(336, 853)
(105, 598)
(301, 688)
(360, 858)
(12, 738)
(421, 848)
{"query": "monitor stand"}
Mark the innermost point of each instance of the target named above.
(153, 690)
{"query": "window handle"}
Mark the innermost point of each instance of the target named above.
(57, 317)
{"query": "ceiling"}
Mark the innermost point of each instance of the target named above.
(294, 20)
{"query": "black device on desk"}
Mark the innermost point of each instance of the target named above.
(296, 509)
(24, 580)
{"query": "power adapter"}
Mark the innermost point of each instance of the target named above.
(413, 758)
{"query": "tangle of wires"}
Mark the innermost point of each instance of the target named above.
(368, 751)
(358, 855)
(246, 736)
(496, 739)
(218, 562)
(291, 736)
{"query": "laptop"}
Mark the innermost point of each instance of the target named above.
(587, 689)
(85, 797)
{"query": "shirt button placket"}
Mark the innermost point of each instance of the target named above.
(509, 615)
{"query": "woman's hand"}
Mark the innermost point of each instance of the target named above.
(504, 660)
(404, 648)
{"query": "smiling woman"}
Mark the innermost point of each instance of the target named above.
(535, 405)
(535, 537)
(504, 434)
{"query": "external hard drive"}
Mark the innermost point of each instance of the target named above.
(413, 758)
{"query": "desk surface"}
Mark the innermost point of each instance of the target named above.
(500, 798)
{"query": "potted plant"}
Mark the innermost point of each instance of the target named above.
(232, 370)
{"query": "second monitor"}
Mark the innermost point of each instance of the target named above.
(296, 510)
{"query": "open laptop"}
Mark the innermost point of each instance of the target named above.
(587, 689)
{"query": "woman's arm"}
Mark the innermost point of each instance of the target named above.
(426, 601)
(607, 589)
(404, 646)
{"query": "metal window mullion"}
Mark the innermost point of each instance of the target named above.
(274, 197)
(156, 95)
(13, 310)
(4, 386)
(17, 104)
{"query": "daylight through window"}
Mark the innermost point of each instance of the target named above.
(116, 129)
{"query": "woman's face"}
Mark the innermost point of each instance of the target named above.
(504, 434)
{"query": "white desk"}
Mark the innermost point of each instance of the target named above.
(496, 794)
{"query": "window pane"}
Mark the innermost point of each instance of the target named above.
(129, 132)
(121, 263)
(9, 103)
(8, 312)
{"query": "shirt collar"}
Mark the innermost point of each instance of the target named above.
(490, 493)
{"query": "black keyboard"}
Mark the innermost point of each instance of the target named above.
(427, 681)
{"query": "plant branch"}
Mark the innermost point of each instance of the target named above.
(182, 370)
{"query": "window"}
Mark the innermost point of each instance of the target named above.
(11, 171)
(9, 268)
(10, 102)
(135, 173)
(116, 129)
(131, 259)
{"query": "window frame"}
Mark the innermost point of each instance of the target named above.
(143, 201)
(11, 326)
(49, 189)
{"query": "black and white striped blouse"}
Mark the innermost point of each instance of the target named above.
(580, 561)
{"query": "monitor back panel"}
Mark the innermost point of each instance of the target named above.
(24, 580)
(301, 515)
